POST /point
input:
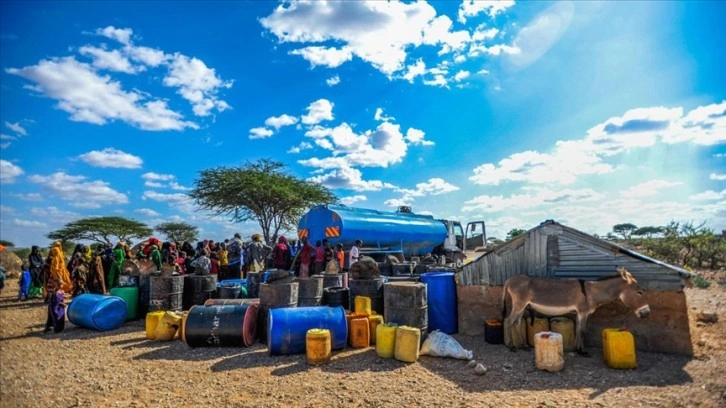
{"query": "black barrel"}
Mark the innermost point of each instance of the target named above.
(272, 296)
(144, 294)
(165, 293)
(331, 281)
(372, 288)
(310, 291)
(407, 305)
(385, 268)
(228, 291)
(198, 288)
(405, 268)
(411, 278)
(253, 284)
(337, 296)
(231, 302)
(221, 326)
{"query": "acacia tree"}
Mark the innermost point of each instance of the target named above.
(514, 232)
(100, 229)
(262, 191)
(178, 231)
(625, 230)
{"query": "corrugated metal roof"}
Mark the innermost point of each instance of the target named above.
(555, 250)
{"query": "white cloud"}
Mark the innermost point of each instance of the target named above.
(332, 81)
(542, 33)
(461, 75)
(29, 196)
(498, 49)
(438, 80)
(318, 111)
(397, 202)
(147, 212)
(279, 121)
(718, 177)
(15, 127)
(110, 157)
(538, 197)
(96, 99)
(709, 195)
(197, 83)
(471, 8)
(649, 188)
(414, 70)
(157, 176)
(416, 137)
(122, 35)
(380, 117)
(147, 56)
(260, 133)
(176, 186)
(111, 60)
(302, 146)
(377, 32)
(9, 172)
(78, 191)
(349, 178)
(29, 224)
(327, 57)
(175, 198)
(350, 200)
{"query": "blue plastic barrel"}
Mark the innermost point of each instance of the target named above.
(287, 327)
(441, 292)
(232, 282)
(99, 312)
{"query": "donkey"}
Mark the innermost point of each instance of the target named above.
(555, 297)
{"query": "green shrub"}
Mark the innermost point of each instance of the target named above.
(701, 282)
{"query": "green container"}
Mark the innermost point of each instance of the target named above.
(130, 295)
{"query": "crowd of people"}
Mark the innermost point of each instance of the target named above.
(97, 270)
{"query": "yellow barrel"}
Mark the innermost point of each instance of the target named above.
(566, 327)
(373, 322)
(408, 340)
(318, 346)
(363, 305)
(359, 332)
(180, 332)
(385, 340)
(548, 352)
(540, 325)
(168, 326)
(618, 346)
(512, 337)
(152, 320)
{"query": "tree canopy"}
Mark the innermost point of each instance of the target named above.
(178, 231)
(514, 232)
(625, 230)
(101, 229)
(6, 243)
(261, 191)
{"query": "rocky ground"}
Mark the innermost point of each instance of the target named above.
(80, 367)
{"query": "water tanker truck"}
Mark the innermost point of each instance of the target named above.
(401, 233)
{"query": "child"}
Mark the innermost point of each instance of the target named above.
(340, 255)
(24, 285)
(56, 309)
(214, 262)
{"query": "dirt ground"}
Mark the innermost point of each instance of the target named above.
(85, 368)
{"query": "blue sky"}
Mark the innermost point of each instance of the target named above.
(591, 114)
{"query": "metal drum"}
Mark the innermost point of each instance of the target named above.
(165, 293)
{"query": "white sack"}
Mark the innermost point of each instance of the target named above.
(440, 344)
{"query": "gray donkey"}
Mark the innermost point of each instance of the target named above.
(556, 297)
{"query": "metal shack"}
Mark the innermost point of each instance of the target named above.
(554, 250)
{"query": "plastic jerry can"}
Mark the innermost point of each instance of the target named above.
(618, 346)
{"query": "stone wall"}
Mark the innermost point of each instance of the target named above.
(666, 330)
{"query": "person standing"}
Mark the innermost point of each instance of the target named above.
(119, 256)
(236, 263)
(319, 264)
(58, 270)
(155, 256)
(281, 254)
(35, 265)
(96, 277)
(354, 254)
(306, 257)
(56, 309)
(24, 285)
(340, 256)
(256, 251)
(223, 256)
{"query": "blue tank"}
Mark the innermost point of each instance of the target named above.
(385, 231)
